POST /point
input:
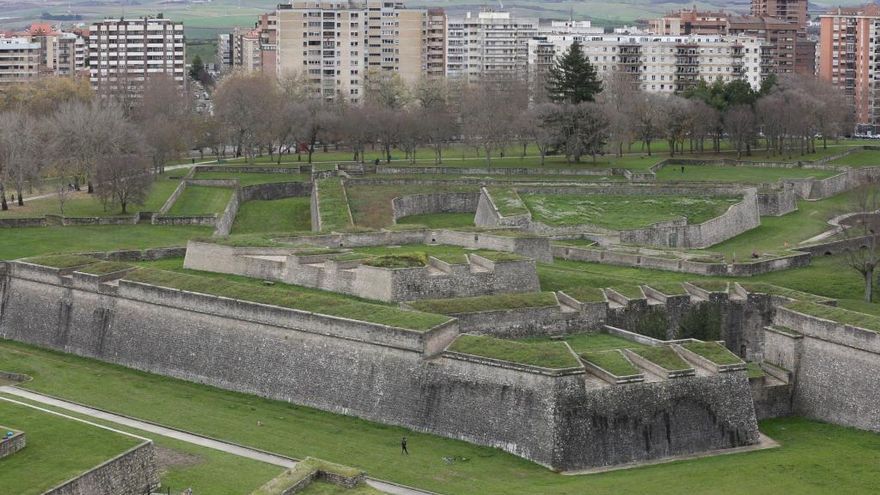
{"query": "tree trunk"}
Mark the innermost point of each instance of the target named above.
(869, 284)
(3, 205)
(648, 143)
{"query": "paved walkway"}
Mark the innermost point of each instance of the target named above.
(230, 448)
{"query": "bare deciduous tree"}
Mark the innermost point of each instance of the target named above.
(739, 122)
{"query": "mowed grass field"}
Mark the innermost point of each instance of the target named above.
(57, 450)
(814, 457)
(622, 212)
(279, 215)
(201, 200)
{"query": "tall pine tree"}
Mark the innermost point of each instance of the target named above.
(572, 78)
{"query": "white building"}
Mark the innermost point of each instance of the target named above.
(569, 27)
(488, 45)
(124, 53)
(19, 60)
(662, 64)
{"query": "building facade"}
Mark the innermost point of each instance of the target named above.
(488, 45)
(848, 41)
(336, 45)
(661, 64)
(124, 53)
(19, 60)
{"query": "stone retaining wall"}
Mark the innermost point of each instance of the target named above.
(131, 473)
(13, 444)
(440, 170)
(421, 204)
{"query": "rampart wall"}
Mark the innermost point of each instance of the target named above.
(420, 204)
(553, 417)
(131, 473)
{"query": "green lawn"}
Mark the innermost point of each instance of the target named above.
(810, 219)
(592, 342)
(815, 458)
(439, 220)
(864, 158)
(333, 205)
(544, 354)
(791, 156)
(612, 361)
(619, 212)
(749, 175)
(713, 351)
(31, 241)
(278, 215)
(201, 200)
(57, 450)
(664, 357)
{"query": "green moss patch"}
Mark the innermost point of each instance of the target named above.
(498, 302)
(664, 357)
(629, 291)
(840, 315)
(291, 296)
(668, 288)
(544, 354)
(713, 351)
(612, 361)
(776, 290)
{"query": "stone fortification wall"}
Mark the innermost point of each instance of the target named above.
(252, 169)
(479, 276)
(555, 418)
(276, 190)
(224, 222)
(131, 473)
(739, 218)
(13, 444)
(643, 420)
(315, 208)
(488, 215)
(420, 204)
(835, 369)
(775, 203)
(835, 247)
(526, 322)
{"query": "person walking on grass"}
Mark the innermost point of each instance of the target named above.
(403, 446)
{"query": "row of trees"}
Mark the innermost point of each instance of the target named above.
(57, 128)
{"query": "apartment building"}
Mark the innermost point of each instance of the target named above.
(789, 50)
(337, 44)
(124, 53)
(661, 64)
(435, 44)
(794, 11)
(223, 59)
(488, 45)
(849, 45)
(61, 53)
(19, 60)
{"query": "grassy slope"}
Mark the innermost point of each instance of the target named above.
(246, 179)
(57, 449)
(201, 200)
(18, 243)
(486, 303)
(815, 458)
(713, 351)
(371, 206)
(333, 206)
(544, 354)
(622, 212)
(280, 215)
(860, 159)
(611, 361)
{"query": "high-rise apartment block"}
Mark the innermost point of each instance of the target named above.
(124, 53)
(794, 11)
(661, 64)
(847, 42)
(337, 44)
(488, 45)
(19, 60)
